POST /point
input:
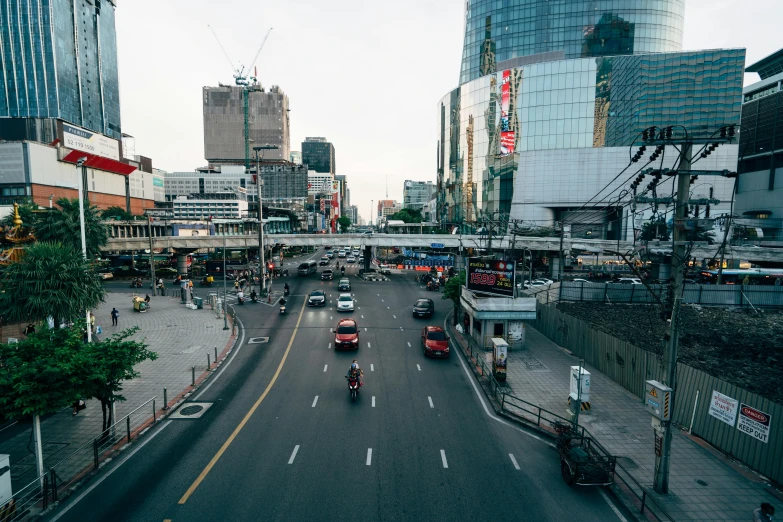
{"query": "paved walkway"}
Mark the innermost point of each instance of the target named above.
(182, 339)
(704, 484)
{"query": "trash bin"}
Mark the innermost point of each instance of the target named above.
(199, 302)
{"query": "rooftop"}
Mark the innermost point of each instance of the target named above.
(768, 66)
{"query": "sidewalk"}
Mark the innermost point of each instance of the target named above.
(181, 337)
(703, 485)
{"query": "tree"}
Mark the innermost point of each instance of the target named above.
(51, 280)
(407, 215)
(452, 291)
(27, 213)
(656, 228)
(117, 213)
(107, 364)
(344, 223)
(62, 226)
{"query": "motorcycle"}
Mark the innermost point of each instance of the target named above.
(207, 281)
(353, 386)
(286, 291)
(282, 306)
(241, 299)
(136, 283)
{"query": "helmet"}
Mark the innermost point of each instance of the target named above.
(354, 366)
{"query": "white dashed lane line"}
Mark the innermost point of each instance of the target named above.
(443, 458)
(372, 368)
(373, 401)
(293, 455)
(430, 399)
(329, 346)
(325, 367)
(369, 456)
(409, 344)
(315, 401)
(419, 367)
(369, 345)
(513, 461)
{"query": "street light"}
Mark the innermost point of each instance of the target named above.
(262, 261)
(81, 164)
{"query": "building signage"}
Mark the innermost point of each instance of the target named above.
(491, 277)
(436, 245)
(723, 408)
(94, 143)
(158, 182)
(754, 422)
(507, 136)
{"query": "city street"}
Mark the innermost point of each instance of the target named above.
(282, 439)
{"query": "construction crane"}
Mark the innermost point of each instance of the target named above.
(249, 82)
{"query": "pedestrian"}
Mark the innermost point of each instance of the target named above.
(764, 513)
(92, 322)
(78, 406)
(114, 315)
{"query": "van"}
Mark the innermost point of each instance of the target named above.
(307, 268)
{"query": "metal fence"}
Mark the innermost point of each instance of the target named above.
(631, 366)
(750, 296)
(61, 478)
(508, 404)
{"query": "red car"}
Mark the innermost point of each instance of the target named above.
(435, 341)
(346, 335)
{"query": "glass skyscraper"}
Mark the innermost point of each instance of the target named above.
(318, 155)
(59, 61)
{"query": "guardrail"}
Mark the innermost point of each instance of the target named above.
(59, 481)
(542, 419)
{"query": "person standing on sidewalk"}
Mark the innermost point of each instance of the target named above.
(764, 513)
(114, 315)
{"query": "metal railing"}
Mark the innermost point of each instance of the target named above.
(60, 479)
(545, 420)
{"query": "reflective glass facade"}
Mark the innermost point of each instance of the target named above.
(319, 155)
(498, 30)
(549, 135)
(59, 60)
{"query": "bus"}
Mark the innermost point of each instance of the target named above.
(750, 276)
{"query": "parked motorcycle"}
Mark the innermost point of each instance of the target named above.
(136, 283)
(353, 386)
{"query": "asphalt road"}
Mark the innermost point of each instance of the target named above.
(283, 440)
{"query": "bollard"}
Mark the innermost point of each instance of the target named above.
(215, 354)
(209, 363)
(127, 425)
(192, 375)
(154, 417)
(165, 399)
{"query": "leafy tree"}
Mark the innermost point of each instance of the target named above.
(407, 215)
(106, 364)
(117, 213)
(451, 290)
(62, 226)
(27, 212)
(344, 223)
(51, 280)
(656, 228)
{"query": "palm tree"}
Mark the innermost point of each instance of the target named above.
(51, 280)
(62, 226)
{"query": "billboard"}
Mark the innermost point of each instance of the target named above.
(507, 136)
(87, 141)
(491, 276)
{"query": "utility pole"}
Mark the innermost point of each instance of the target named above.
(152, 256)
(560, 264)
(259, 196)
(663, 462)
(81, 164)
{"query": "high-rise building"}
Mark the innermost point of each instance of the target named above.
(59, 64)
(759, 197)
(417, 194)
(318, 155)
(224, 123)
(552, 98)
(296, 157)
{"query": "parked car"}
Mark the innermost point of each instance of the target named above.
(628, 281)
(424, 308)
(327, 275)
(345, 303)
(317, 298)
(105, 273)
(344, 285)
(324, 261)
(578, 280)
(346, 335)
(434, 341)
(165, 272)
(544, 280)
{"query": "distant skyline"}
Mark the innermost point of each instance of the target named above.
(367, 76)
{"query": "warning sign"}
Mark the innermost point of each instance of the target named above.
(754, 422)
(723, 408)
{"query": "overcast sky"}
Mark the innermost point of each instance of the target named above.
(366, 75)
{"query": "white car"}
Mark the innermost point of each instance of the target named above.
(345, 303)
(355, 252)
(544, 280)
(341, 253)
(534, 284)
(579, 280)
(629, 281)
(351, 259)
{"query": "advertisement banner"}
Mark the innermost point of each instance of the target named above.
(507, 136)
(491, 277)
(723, 408)
(507, 140)
(87, 141)
(754, 422)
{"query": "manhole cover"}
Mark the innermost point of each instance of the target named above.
(191, 410)
(258, 340)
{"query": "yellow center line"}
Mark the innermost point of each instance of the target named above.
(249, 414)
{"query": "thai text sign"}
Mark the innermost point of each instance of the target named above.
(723, 408)
(491, 277)
(754, 422)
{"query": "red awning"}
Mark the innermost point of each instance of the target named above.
(99, 162)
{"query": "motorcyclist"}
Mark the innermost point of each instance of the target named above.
(342, 270)
(286, 288)
(253, 295)
(354, 370)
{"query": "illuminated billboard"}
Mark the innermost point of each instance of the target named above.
(507, 136)
(491, 276)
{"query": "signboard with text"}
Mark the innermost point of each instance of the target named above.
(88, 141)
(491, 276)
(723, 408)
(754, 422)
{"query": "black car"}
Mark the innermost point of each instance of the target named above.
(344, 285)
(424, 308)
(317, 298)
(327, 275)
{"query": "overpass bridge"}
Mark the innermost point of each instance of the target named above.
(185, 244)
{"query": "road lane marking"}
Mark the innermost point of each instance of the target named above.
(394, 316)
(612, 506)
(443, 458)
(315, 401)
(329, 346)
(419, 367)
(409, 344)
(372, 368)
(363, 318)
(293, 455)
(330, 317)
(365, 328)
(388, 307)
(513, 460)
(249, 414)
(430, 399)
(368, 345)
(325, 367)
(373, 401)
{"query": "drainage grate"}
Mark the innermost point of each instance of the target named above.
(191, 410)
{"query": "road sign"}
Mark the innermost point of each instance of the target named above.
(754, 422)
(437, 245)
(723, 408)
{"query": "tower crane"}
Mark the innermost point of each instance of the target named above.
(248, 82)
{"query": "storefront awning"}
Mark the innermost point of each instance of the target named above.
(99, 163)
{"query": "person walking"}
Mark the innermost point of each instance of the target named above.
(764, 513)
(114, 315)
(92, 322)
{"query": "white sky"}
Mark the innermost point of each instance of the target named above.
(366, 75)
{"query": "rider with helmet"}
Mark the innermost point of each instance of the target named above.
(354, 370)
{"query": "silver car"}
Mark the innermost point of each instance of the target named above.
(345, 303)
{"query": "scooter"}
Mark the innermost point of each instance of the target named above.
(286, 292)
(353, 386)
(241, 300)
(282, 309)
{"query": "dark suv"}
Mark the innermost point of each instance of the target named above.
(424, 308)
